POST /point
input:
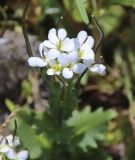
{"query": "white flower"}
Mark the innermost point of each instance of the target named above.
(12, 142)
(98, 68)
(83, 46)
(62, 55)
(3, 146)
(7, 148)
(55, 68)
(22, 155)
(46, 57)
(70, 65)
(58, 41)
(10, 154)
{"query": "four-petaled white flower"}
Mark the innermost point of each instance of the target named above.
(46, 57)
(83, 46)
(70, 65)
(7, 148)
(65, 56)
(58, 41)
(22, 155)
(55, 68)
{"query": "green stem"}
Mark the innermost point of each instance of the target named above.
(62, 111)
(3, 157)
(94, 4)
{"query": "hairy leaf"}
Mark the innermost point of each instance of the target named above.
(82, 11)
(29, 139)
(90, 124)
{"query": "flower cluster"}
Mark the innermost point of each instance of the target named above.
(8, 146)
(62, 55)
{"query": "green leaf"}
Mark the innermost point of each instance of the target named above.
(111, 20)
(29, 139)
(44, 141)
(85, 120)
(70, 5)
(90, 139)
(82, 11)
(10, 105)
(120, 2)
(90, 125)
(26, 88)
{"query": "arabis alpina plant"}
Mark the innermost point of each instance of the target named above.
(67, 57)
(8, 146)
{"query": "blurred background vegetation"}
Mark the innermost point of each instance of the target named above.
(21, 86)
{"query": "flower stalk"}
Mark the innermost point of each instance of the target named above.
(28, 46)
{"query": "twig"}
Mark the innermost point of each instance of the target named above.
(3, 13)
(101, 33)
(29, 50)
(101, 37)
(12, 115)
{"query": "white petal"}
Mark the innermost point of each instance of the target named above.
(48, 44)
(11, 142)
(90, 41)
(88, 54)
(52, 36)
(50, 72)
(63, 59)
(41, 49)
(57, 73)
(52, 62)
(45, 51)
(73, 57)
(22, 155)
(10, 154)
(4, 148)
(98, 68)
(79, 68)
(67, 73)
(76, 44)
(67, 45)
(52, 54)
(88, 62)
(62, 33)
(36, 62)
(82, 35)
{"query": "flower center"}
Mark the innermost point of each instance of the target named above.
(69, 65)
(57, 67)
(80, 54)
(59, 45)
